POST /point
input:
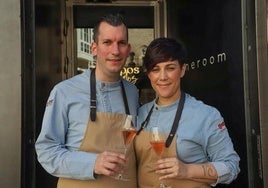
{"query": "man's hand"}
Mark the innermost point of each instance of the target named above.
(108, 163)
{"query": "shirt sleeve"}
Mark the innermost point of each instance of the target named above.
(220, 149)
(52, 153)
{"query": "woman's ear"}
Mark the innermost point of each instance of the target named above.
(183, 70)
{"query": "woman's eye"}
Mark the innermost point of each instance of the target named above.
(155, 70)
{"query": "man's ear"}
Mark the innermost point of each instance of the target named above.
(93, 48)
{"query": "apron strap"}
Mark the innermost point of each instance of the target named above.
(93, 100)
(124, 98)
(144, 124)
(175, 122)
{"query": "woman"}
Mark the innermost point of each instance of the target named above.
(199, 151)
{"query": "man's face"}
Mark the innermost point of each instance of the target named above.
(111, 51)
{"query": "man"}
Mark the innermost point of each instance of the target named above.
(83, 115)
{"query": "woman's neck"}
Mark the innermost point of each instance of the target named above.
(162, 101)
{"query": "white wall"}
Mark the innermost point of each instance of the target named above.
(10, 94)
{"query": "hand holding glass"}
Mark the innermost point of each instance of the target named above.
(128, 132)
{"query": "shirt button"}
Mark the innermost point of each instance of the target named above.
(156, 108)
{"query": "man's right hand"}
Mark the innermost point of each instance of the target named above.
(109, 163)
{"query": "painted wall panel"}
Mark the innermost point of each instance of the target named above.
(10, 94)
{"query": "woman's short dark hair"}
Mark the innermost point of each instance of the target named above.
(164, 49)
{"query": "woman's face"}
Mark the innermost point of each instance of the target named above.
(165, 79)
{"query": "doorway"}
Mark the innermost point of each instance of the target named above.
(146, 20)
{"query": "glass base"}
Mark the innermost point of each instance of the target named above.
(162, 185)
(120, 177)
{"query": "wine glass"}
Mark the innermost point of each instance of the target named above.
(127, 132)
(158, 142)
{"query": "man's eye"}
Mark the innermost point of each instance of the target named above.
(106, 42)
(123, 43)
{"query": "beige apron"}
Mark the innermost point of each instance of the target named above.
(103, 134)
(146, 160)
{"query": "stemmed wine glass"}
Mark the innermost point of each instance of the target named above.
(128, 132)
(158, 142)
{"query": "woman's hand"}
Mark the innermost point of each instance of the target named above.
(171, 168)
(175, 168)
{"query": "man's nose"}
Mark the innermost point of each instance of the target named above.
(115, 49)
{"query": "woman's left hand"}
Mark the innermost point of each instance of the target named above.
(171, 168)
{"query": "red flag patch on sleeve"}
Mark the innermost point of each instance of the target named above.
(222, 126)
(50, 102)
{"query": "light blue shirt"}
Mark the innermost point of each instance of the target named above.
(65, 122)
(201, 136)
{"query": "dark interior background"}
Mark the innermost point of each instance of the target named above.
(208, 28)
